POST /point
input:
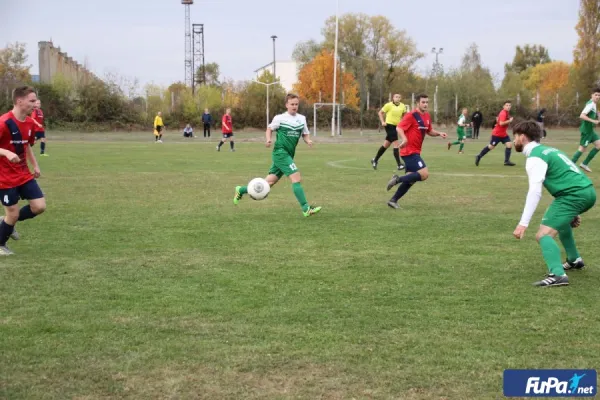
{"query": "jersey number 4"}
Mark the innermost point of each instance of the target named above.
(570, 163)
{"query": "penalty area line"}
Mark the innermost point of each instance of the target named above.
(340, 164)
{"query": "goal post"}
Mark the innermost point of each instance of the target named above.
(338, 114)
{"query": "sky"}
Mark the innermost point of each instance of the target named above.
(144, 39)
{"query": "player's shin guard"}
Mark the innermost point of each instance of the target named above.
(576, 156)
(397, 156)
(568, 242)
(484, 151)
(26, 213)
(507, 152)
(380, 153)
(300, 196)
(410, 178)
(5, 231)
(401, 191)
(590, 156)
(551, 254)
(42, 147)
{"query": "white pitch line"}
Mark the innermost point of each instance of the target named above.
(339, 164)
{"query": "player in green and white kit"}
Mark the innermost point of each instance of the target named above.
(573, 194)
(589, 119)
(460, 130)
(289, 127)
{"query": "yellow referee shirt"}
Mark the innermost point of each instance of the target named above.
(393, 113)
(158, 121)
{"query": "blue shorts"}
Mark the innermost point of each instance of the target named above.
(27, 191)
(40, 135)
(413, 163)
(495, 140)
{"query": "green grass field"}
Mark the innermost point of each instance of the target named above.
(142, 280)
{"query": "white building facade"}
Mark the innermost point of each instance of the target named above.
(287, 72)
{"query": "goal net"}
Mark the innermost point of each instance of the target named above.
(328, 107)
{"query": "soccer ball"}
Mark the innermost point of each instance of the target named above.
(258, 189)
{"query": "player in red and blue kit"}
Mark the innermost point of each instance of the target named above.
(16, 180)
(500, 135)
(412, 130)
(40, 133)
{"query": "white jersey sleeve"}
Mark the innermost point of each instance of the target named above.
(591, 106)
(306, 131)
(274, 125)
(536, 171)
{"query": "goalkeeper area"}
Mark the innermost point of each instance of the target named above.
(143, 280)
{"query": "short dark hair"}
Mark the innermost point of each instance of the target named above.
(20, 92)
(596, 90)
(507, 102)
(291, 96)
(421, 96)
(531, 129)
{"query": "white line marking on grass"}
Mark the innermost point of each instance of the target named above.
(339, 164)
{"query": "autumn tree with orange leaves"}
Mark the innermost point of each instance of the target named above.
(315, 81)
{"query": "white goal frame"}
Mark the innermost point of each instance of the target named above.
(338, 114)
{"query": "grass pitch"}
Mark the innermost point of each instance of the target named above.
(142, 280)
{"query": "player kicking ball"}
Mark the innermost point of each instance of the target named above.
(412, 130)
(460, 130)
(573, 194)
(289, 127)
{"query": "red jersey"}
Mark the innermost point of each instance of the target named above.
(226, 124)
(501, 131)
(38, 116)
(15, 136)
(415, 133)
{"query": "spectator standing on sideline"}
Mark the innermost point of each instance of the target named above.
(477, 120)
(207, 121)
(540, 120)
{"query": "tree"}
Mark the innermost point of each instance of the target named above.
(372, 48)
(211, 73)
(528, 56)
(304, 52)
(512, 86)
(587, 51)
(315, 80)
(13, 64)
(549, 79)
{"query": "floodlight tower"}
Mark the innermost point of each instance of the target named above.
(198, 67)
(189, 73)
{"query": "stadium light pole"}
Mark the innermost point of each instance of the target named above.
(274, 63)
(267, 85)
(335, 56)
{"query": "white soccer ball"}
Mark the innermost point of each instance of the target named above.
(258, 189)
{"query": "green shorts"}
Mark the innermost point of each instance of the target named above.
(564, 208)
(461, 133)
(283, 164)
(587, 138)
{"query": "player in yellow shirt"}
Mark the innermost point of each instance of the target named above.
(394, 111)
(158, 127)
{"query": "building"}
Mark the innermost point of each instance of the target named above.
(53, 62)
(287, 72)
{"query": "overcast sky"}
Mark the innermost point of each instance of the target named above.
(145, 38)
